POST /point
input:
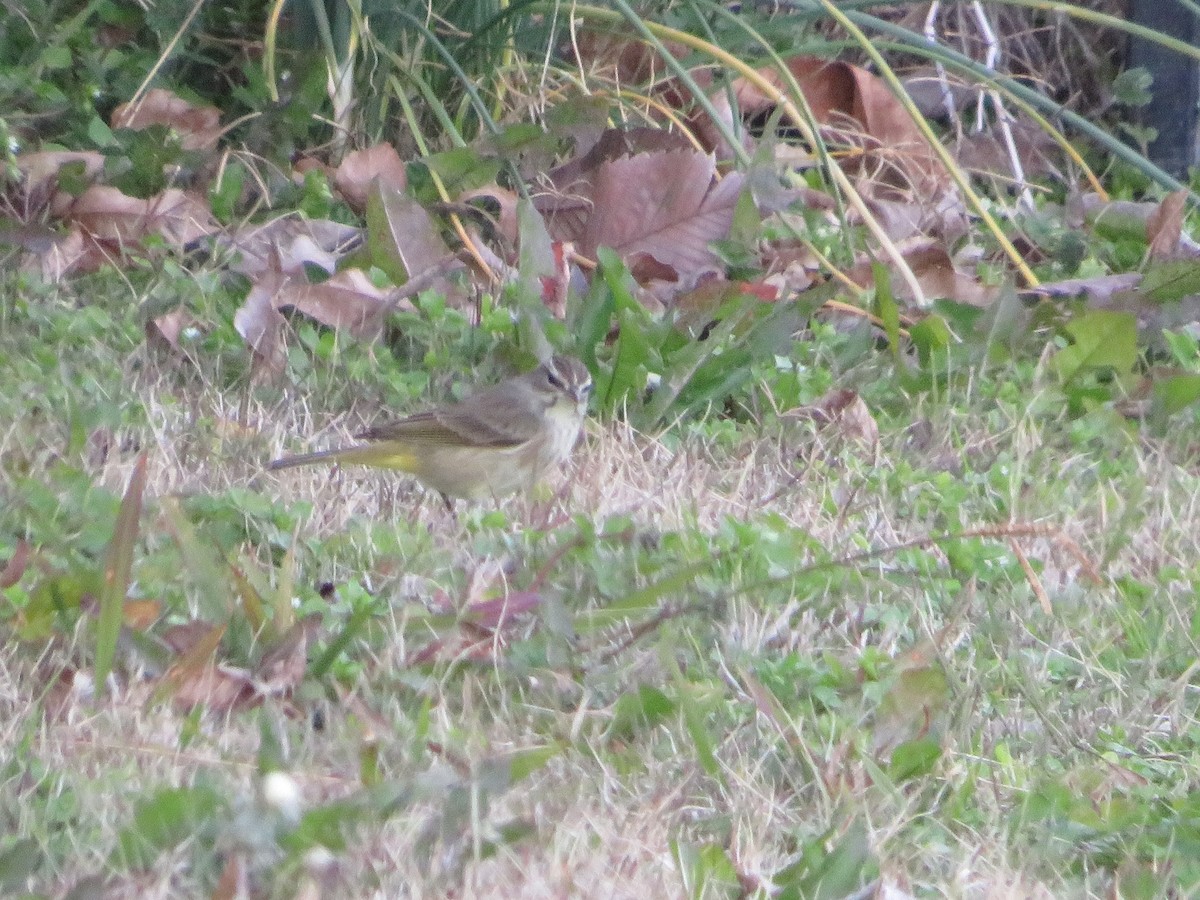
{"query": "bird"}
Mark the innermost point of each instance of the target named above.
(503, 439)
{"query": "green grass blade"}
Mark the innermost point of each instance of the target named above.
(116, 574)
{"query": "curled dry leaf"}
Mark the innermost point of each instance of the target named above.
(199, 127)
(843, 410)
(1164, 227)
(360, 168)
(109, 215)
(261, 325)
(936, 274)
(288, 244)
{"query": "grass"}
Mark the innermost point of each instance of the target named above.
(703, 701)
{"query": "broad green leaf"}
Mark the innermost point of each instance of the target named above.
(205, 569)
(1176, 392)
(1167, 282)
(642, 600)
(706, 870)
(829, 868)
(1101, 339)
(914, 758)
(1132, 87)
(930, 336)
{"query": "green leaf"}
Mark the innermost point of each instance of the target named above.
(1176, 393)
(930, 336)
(524, 763)
(1101, 339)
(224, 194)
(462, 169)
(827, 872)
(1172, 280)
(1132, 87)
(163, 821)
(18, 861)
(694, 719)
(206, 571)
(117, 569)
(886, 309)
(642, 600)
(639, 710)
(914, 758)
(706, 871)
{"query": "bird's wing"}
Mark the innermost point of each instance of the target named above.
(489, 419)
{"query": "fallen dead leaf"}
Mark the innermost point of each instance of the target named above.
(666, 204)
(935, 273)
(107, 214)
(199, 127)
(360, 168)
(164, 331)
(74, 253)
(41, 169)
(15, 567)
(843, 410)
(288, 244)
(261, 325)
(347, 301)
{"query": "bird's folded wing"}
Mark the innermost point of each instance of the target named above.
(460, 426)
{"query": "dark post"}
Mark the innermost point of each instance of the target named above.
(1176, 89)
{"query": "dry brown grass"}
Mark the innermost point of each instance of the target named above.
(603, 814)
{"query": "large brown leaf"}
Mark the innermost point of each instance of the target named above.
(107, 214)
(665, 203)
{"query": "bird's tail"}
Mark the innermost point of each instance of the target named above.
(304, 459)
